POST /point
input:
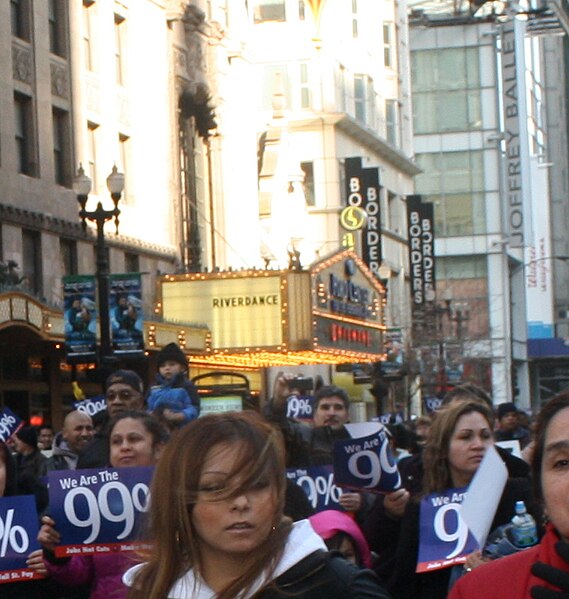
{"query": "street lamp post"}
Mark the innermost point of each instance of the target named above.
(82, 187)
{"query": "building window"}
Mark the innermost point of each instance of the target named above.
(304, 86)
(87, 36)
(446, 90)
(31, 267)
(120, 28)
(355, 33)
(371, 109)
(342, 87)
(360, 98)
(308, 183)
(91, 167)
(131, 262)
(392, 222)
(25, 135)
(61, 147)
(388, 45)
(57, 27)
(123, 164)
(454, 183)
(275, 77)
(467, 278)
(20, 19)
(269, 10)
(68, 253)
(392, 121)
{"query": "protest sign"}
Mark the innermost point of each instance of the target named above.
(484, 493)
(444, 538)
(318, 484)
(299, 407)
(9, 424)
(99, 510)
(18, 538)
(365, 461)
(92, 405)
(389, 418)
(432, 404)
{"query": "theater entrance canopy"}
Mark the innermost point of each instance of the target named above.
(331, 313)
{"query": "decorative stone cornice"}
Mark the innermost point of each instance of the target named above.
(59, 226)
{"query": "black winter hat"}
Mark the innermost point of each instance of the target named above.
(28, 435)
(125, 377)
(506, 408)
(174, 353)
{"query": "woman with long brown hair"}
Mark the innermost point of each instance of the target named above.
(217, 523)
(460, 435)
(542, 571)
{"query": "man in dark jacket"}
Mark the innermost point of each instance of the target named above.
(313, 445)
(509, 428)
(124, 391)
(74, 437)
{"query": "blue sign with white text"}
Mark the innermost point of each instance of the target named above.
(18, 538)
(432, 404)
(92, 405)
(318, 484)
(9, 424)
(366, 463)
(98, 510)
(444, 538)
(299, 407)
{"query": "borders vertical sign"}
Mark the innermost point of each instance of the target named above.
(80, 318)
(126, 314)
(421, 240)
(363, 191)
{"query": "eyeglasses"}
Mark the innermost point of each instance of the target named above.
(124, 394)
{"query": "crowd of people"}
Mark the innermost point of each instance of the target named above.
(225, 521)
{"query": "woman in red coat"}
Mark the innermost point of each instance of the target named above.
(541, 572)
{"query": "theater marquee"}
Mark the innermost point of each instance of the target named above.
(332, 313)
(239, 311)
(347, 305)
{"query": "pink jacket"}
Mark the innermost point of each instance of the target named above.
(103, 572)
(510, 577)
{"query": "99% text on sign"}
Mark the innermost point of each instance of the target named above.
(317, 482)
(99, 508)
(14, 537)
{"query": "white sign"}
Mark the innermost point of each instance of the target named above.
(483, 497)
(217, 405)
(240, 312)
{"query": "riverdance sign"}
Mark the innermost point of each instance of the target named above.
(240, 311)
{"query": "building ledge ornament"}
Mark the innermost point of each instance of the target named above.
(59, 226)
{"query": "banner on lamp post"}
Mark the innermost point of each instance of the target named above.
(126, 314)
(80, 317)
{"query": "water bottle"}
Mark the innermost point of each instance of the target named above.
(524, 530)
